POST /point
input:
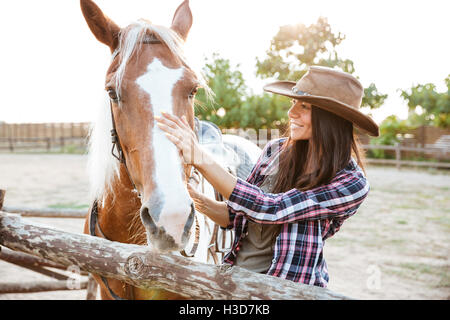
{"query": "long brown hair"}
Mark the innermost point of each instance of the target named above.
(306, 164)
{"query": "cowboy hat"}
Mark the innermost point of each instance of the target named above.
(332, 90)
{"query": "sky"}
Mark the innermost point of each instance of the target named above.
(52, 68)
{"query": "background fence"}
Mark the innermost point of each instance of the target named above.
(43, 136)
(423, 146)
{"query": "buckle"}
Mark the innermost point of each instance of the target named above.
(300, 92)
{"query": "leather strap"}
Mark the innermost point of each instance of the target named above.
(93, 225)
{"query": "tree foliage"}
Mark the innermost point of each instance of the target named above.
(392, 130)
(372, 97)
(296, 47)
(232, 106)
(229, 88)
(265, 111)
(292, 50)
(427, 106)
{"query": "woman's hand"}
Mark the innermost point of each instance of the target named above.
(217, 211)
(198, 198)
(180, 133)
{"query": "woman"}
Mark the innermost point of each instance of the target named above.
(303, 186)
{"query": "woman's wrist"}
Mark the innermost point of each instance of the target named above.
(201, 157)
(215, 210)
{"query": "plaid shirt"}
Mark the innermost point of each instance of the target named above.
(308, 218)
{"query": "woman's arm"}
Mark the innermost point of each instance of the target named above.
(338, 199)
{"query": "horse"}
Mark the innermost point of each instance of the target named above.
(138, 179)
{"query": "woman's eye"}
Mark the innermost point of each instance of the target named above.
(112, 94)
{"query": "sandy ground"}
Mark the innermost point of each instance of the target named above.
(395, 247)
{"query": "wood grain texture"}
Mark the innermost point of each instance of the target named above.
(146, 269)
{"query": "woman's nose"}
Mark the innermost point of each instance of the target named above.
(294, 112)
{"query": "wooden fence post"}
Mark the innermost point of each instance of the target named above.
(11, 145)
(398, 156)
(2, 198)
(91, 288)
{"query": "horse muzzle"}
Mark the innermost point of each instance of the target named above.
(165, 231)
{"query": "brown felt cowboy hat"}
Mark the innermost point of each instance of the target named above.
(332, 90)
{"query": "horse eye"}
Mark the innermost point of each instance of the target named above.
(112, 94)
(193, 92)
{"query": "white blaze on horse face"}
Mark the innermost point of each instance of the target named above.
(159, 82)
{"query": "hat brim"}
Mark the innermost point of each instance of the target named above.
(341, 109)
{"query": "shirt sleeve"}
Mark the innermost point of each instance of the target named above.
(252, 177)
(338, 199)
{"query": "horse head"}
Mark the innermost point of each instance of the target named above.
(148, 75)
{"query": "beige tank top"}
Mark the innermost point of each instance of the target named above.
(258, 244)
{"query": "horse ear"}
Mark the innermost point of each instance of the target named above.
(182, 20)
(103, 28)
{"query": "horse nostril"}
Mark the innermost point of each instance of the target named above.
(147, 220)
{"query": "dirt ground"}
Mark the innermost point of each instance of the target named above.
(395, 247)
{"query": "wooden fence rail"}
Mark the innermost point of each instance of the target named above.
(44, 130)
(46, 213)
(36, 286)
(145, 269)
(45, 144)
(398, 162)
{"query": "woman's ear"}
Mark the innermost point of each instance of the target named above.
(182, 20)
(103, 28)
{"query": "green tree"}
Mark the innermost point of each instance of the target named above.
(229, 88)
(427, 106)
(232, 106)
(296, 47)
(372, 97)
(264, 111)
(392, 130)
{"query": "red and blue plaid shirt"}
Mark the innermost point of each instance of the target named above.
(308, 218)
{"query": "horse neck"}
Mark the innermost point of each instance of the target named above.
(119, 217)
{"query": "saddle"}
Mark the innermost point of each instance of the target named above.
(227, 152)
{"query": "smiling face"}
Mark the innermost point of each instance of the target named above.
(300, 120)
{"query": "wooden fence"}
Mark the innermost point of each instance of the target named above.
(44, 130)
(57, 136)
(41, 247)
(440, 153)
(145, 269)
(42, 136)
(62, 280)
